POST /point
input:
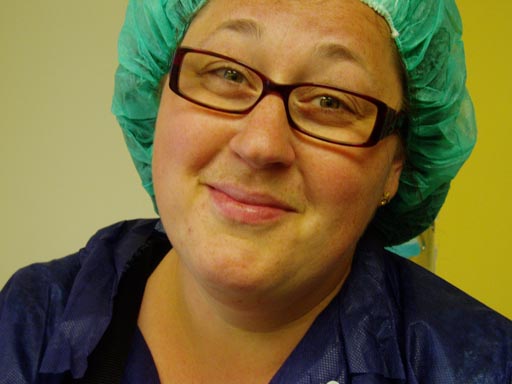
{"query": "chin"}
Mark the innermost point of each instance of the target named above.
(239, 272)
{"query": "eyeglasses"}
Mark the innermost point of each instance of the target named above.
(326, 113)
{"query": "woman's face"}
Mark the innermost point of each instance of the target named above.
(250, 205)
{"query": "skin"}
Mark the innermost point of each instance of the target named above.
(264, 220)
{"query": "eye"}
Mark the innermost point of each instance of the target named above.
(330, 102)
(226, 72)
(333, 104)
(231, 75)
(219, 72)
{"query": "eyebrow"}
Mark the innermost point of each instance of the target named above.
(336, 51)
(243, 26)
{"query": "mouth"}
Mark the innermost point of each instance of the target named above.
(247, 207)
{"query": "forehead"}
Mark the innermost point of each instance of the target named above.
(316, 18)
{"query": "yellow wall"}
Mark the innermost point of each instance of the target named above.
(65, 171)
(473, 238)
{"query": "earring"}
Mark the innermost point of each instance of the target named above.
(385, 199)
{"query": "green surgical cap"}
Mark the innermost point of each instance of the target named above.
(441, 123)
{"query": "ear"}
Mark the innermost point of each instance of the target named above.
(395, 170)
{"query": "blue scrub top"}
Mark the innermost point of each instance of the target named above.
(392, 322)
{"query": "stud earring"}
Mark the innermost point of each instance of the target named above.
(385, 199)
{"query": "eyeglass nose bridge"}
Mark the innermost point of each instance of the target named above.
(270, 87)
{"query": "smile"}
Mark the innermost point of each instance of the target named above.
(238, 205)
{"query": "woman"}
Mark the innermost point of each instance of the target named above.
(292, 142)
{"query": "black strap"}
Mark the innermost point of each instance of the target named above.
(107, 362)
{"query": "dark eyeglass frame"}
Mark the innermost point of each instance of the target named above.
(387, 122)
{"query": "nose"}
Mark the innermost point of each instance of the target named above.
(266, 138)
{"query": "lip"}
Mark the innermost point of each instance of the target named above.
(244, 206)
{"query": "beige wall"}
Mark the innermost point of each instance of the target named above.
(64, 167)
(65, 171)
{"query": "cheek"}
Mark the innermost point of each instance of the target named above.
(337, 179)
(185, 140)
(174, 143)
(346, 187)
(175, 154)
